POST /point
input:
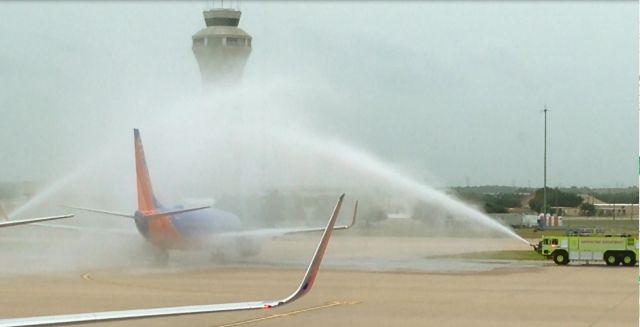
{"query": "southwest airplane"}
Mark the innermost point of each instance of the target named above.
(91, 317)
(192, 228)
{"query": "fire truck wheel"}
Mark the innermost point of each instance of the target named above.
(561, 257)
(629, 259)
(611, 259)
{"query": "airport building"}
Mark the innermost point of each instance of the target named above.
(622, 210)
(221, 48)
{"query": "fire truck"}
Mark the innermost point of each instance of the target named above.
(612, 249)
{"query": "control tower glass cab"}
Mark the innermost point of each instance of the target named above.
(221, 48)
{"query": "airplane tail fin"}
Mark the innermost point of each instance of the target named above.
(146, 199)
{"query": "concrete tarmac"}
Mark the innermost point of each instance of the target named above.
(513, 295)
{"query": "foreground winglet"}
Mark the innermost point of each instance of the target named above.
(314, 266)
(304, 288)
(31, 220)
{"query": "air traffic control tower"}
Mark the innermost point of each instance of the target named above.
(221, 48)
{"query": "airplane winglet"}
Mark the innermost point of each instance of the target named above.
(353, 219)
(355, 213)
(91, 317)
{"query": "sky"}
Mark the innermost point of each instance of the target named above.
(448, 92)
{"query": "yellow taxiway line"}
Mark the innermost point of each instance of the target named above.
(290, 313)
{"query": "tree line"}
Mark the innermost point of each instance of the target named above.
(500, 202)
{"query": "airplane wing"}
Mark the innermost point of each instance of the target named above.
(304, 288)
(266, 233)
(9, 223)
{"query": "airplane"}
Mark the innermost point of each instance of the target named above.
(92, 317)
(177, 228)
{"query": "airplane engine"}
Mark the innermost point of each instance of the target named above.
(247, 247)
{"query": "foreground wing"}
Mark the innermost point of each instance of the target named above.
(304, 288)
(32, 220)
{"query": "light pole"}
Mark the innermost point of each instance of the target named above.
(544, 190)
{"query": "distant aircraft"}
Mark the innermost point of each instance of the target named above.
(92, 317)
(178, 228)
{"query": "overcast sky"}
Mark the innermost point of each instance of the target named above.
(451, 90)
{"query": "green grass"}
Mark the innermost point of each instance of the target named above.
(498, 255)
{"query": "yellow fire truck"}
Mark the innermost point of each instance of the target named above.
(613, 250)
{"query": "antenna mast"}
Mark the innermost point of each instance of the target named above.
(544, 190)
